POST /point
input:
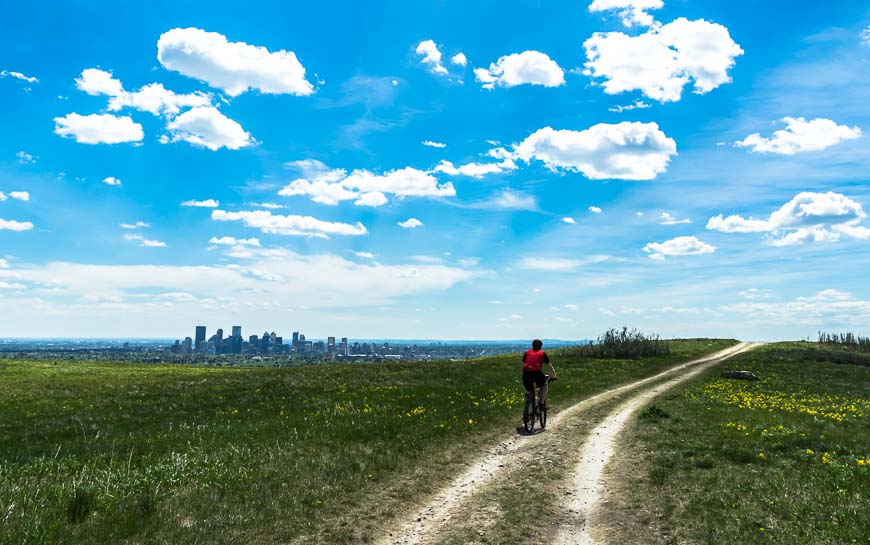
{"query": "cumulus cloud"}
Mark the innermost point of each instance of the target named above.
(207, 203)
(332, 186)
(528, 67)
(808, 217)
(17, 195)
(98, 128)
(667, 219)
(473, 170)
(25, 158)
(632, 12)
(431, 57)
(594, 209)
(205, 126)
(276, 224)
(234, 67)
(145, 242)
(570, 220)
(799, 136)
(231, 241)
(152, 98)
(410, 223)
(459, 59)
(663, 60)
(137, 225)
(18, 75)
(677, 247)
(12, 225)
(111, 180)
(433, 144)
(625, 151)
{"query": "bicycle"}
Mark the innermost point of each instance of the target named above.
(532, 411)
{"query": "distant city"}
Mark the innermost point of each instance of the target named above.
(268, 348)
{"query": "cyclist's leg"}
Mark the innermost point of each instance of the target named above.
(542, 393)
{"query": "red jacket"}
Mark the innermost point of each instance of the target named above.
(533, 360)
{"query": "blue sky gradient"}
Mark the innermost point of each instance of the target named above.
(495, 260)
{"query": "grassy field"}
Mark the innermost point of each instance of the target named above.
(112, 453)
(784, 460)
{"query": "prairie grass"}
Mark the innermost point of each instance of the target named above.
(784, 460)
(100, 453)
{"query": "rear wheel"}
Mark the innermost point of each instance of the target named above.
(529, 416)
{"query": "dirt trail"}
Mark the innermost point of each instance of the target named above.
(588, 485)
(447, 505)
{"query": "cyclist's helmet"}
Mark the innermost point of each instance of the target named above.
(537, 344)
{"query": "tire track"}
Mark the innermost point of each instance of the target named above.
(588, 484)
(425, 524)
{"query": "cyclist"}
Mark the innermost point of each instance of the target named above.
(533, 361)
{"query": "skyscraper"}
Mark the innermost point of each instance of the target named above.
(199, 339)
(237, 331)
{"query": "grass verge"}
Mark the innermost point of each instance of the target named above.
(782, 460)
(110, 453)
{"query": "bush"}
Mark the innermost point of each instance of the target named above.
(626, 344)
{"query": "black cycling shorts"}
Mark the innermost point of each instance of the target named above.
(532, 378)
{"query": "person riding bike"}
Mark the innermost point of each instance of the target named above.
(533, 361)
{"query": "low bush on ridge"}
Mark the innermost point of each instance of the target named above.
(625, 344)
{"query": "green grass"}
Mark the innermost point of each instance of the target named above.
(115, 453)
(784, 460)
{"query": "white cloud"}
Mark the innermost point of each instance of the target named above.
(678, 246)
(808, 217)
(569, 220)
(410, 223)
(17, 195)
(508, 199)
(558, 264)
(823, 308)
(799, 136)
(865, 36)
(18, 75)
(332, 186)
(632, 12)
(275, 224)
(431, 56)
(594, 209)
(25, 158)
(473, 170)
(98, 128)
(12, 225)
(231, 241)
(433, 144)
(459, 59)
(137, 225)
(528, 67)
(636, 105)
(667, 219)
(208, 203)
(152, 98)
(4, 264)
(469, 262)
(268, 205)
(206, 126)
(626, 151)
(111, 180)
(755, 293)
(363, 255)
(664, 59)
(145, 242)
(234, 67)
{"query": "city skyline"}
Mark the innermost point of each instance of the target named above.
(441, 170)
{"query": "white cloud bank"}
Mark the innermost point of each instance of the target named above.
(332, 186)
(824, 308)
(663, 60)
(625, 151)
(152, 98)
(292, 225)
(632, 12)
(808, 217)
(526, 68)
(98, 128)
(207, 203)
(234, 67)
(678, 247)
(800, 136)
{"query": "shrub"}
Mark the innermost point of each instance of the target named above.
(624, 343)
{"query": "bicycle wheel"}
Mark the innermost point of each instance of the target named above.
(529, 416)
(542, 415)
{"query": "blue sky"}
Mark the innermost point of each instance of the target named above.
(437, 169)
